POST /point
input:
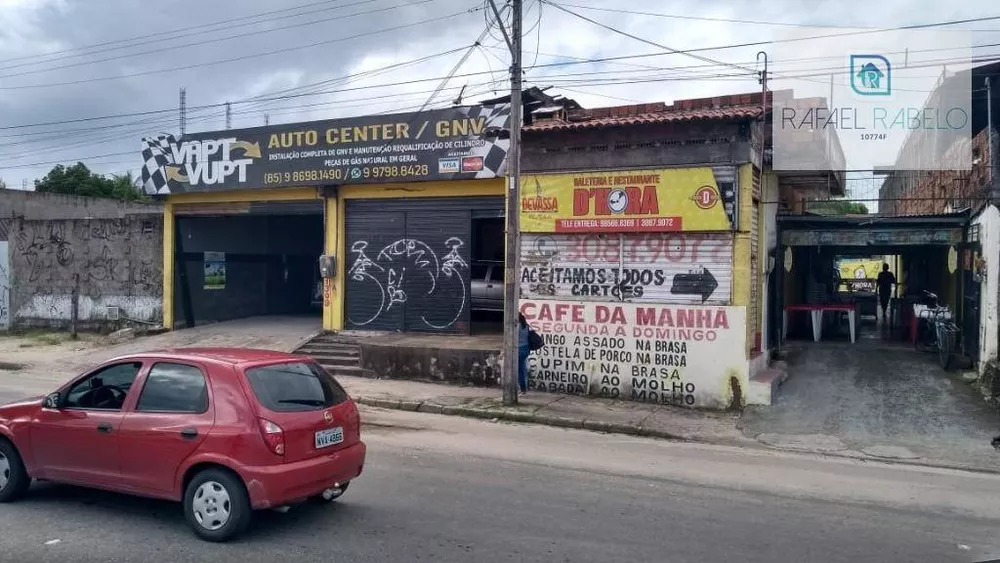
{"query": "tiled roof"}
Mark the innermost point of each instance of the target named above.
(741, 106)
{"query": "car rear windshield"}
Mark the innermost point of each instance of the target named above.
(297, 386)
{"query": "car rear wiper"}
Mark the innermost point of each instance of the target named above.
(307, 402)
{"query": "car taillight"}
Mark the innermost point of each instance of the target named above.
(273, 436)
(354, 417)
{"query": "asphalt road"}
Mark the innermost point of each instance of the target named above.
(442, 489)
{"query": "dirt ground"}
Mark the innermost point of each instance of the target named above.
(37, 361)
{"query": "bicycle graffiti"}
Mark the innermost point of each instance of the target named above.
(408, 272)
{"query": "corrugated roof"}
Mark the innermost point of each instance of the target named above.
(733, 107)
(587, 122)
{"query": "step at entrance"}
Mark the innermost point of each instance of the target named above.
(340, 358)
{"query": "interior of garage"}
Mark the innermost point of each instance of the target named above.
(263, 261)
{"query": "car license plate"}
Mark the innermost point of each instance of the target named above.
(329, 437)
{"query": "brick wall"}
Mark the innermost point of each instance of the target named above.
(931, 192)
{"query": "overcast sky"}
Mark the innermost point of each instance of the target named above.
(63, 60)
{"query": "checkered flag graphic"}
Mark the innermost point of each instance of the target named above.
(156, 157)
(494, 152)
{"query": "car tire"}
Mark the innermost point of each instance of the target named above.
(216, 505)
(320, 499)
(14, 478)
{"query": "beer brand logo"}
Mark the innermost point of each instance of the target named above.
(539, 204)
(706, 197)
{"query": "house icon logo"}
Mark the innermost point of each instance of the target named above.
(871, 75)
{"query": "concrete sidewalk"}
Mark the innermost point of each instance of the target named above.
(619, 417)
(635, 419)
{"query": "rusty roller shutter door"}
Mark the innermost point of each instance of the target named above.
(641, 268)
(408, 262)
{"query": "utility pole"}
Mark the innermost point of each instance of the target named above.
(229, 116)
(183, 111)
(267, 120)
(512, 290)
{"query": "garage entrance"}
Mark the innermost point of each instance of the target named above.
(247, 259)
(924, 254)
(422, 264)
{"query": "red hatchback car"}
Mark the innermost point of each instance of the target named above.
(225, 431)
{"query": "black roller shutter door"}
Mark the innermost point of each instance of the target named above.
(370, 304)
(408, 263)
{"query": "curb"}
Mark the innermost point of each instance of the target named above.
(635, 430)
(520, 416)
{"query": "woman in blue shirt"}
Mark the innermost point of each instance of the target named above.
(523, 350)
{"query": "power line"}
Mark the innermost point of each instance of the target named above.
(248, 100)
(244, 57)
(689, 52)
(219, 39)
(146, 36)
(705, 18)
(138, 161)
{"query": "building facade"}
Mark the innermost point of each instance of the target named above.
(641, 250)
(370, 223)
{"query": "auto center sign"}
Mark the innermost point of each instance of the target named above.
(450, 144)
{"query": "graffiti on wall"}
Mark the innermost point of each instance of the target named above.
(655, 267)
(104, 260)
(667, 354)
(410, 271)
(4, 287)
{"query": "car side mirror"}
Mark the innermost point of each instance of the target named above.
(52, 401)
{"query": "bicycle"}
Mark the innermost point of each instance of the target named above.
(939, 334)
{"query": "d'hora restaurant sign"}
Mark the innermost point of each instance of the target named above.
(662, 200)
(448, 144)
(666, 354)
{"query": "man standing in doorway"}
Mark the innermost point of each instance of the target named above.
(885, 282)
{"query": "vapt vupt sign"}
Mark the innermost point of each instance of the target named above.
(213, 161)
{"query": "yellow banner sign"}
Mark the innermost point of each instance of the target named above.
(662, 200)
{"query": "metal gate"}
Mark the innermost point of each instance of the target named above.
(408, 263)
(971, 295)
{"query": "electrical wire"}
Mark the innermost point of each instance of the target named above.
(689, 52)
(160, 41)
(220, 39)
(159, 35)
(243, 57)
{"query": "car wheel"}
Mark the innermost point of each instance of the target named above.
(216, 505)
(14, 479)
(335, 494)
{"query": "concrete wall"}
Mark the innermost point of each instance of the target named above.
(465, 365)
(698, 143)
(989, 305)
(22, 204)
(109, 262)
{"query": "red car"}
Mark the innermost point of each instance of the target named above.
(225, 431)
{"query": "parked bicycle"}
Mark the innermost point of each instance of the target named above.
(939, 333)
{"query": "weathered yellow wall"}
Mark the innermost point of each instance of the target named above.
(168, 265)
(240, 196)
(741, 248)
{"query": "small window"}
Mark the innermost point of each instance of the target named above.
(479, 271)
(297, 386)
(496, 275)
(104, 389)
(174, 388)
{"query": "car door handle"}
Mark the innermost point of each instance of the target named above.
(104, 428)
(189, 433)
